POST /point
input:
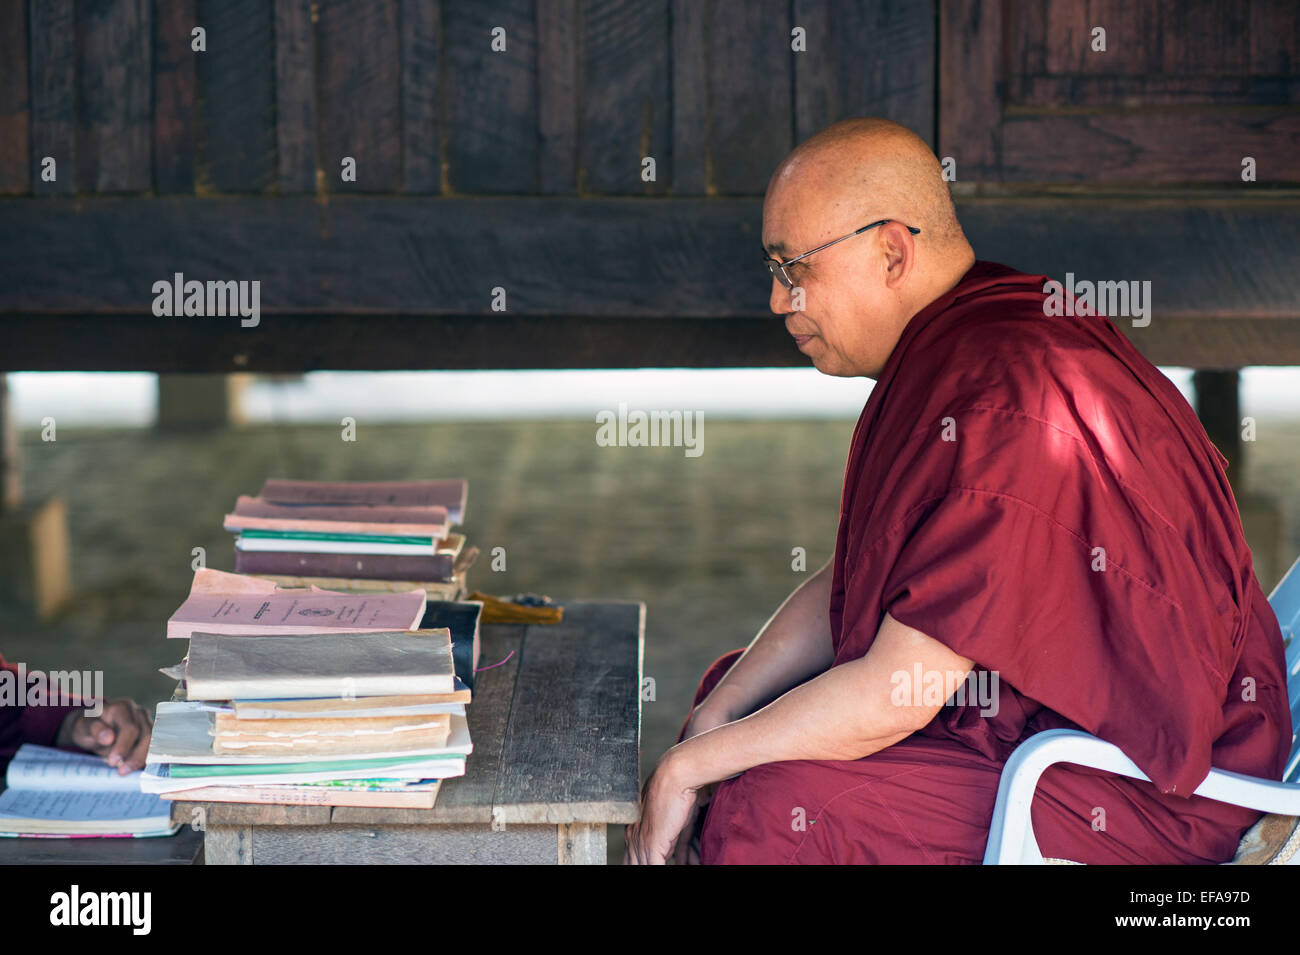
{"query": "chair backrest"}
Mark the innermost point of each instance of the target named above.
(1285, 601)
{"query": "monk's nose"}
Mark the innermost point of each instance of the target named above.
(779, 300)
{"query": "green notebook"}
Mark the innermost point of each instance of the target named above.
(329, 536)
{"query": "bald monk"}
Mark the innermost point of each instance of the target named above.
(1031, 515)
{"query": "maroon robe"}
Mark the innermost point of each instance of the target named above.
(1034, 494)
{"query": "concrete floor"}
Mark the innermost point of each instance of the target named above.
(705, 542)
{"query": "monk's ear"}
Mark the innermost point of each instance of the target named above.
(900, 253)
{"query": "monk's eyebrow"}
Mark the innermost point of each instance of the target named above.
(778, 247)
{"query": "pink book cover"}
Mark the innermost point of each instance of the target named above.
(449, 493)
(256, 513)
(209, 581)
(301, 612)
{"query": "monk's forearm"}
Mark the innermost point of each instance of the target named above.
(794, 645)
(841, 714)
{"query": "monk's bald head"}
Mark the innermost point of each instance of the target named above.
(850, 301)
(876, 166)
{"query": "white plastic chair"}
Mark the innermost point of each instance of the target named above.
(1011, 835)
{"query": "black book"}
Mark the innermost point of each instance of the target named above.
(461, 617)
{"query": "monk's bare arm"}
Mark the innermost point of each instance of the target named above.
(792, 646)
(845, 713)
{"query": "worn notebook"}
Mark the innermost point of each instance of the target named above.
(51, 792)
(311, 666)
(382, 794)
(255, 513)
(437, 566)
(327, 736)
(301, 612)
(452, 703)
(446, 493)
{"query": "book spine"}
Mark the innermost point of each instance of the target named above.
(307, 796)
(435, 567)
(336, 530)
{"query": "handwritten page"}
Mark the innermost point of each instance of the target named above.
(43, 768)
(82, 806)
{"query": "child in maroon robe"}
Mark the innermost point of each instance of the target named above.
(1034, 494)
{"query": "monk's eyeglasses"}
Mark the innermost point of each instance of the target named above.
(777, 267)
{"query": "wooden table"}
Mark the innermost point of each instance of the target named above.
(184, 848)
(556, 732)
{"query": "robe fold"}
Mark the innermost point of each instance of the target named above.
(1031, 492)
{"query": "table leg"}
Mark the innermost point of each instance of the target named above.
(582, 843)
(228, 845)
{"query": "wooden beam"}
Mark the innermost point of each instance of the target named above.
(54, 96)
(352, 283)
(236, 89)
(300, 343)
(15, 101)
(115, 105)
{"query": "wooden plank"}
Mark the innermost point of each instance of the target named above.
(414, 256)
(237, 126)
(970, 67)
(360, 341)
(295, 96)
(359, 80)
(174, 96)
(184, 848)
(874, 59)
(572, 747)
(1048, 92)
(404, 845)
(468, 798)
(557, 96)
(1274, 37)
(15, 102)
(690, 65)
(489, 98)
(115, 141)
(215, 815)
(1151, 147)
(1028, 40)
(54, 95)
(626, 102)
(421, 140)
(751, 110)
(382, 274)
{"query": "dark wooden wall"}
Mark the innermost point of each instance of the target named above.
(521, 169)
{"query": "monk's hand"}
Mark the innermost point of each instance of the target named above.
(120, 733)
(668, 808)
(701, 720)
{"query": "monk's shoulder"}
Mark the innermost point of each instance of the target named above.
(1010, 356)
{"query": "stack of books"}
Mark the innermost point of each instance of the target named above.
(308, 697)
(376, 536)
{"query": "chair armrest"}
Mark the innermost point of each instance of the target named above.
(1011, 832)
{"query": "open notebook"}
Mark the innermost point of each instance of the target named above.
(51, 792)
